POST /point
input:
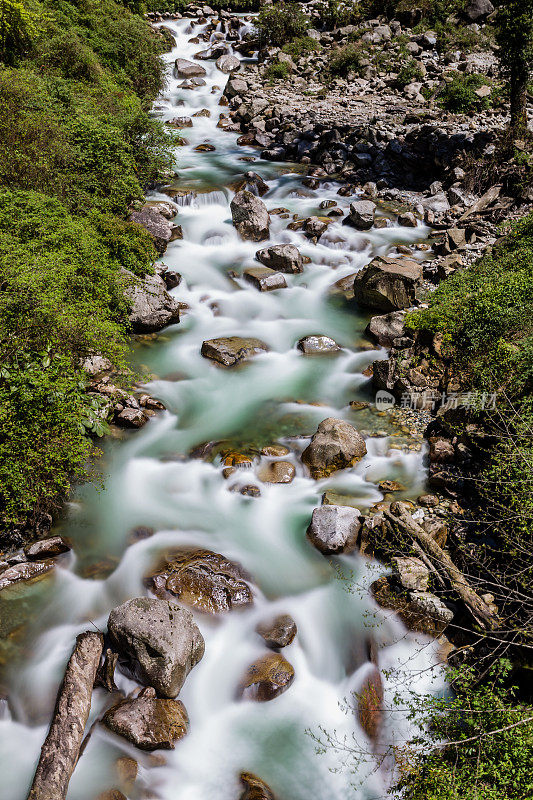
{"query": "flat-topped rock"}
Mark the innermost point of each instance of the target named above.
(188, 69)
(148, 722)
(334, 529)
(361, 215)
(203, 579)
(25, 571)
(159, 641)
(231, 350)
(388, 284)
(281, 257)
(336, 445)
(264, 279)
(277, 472)
(47, 548)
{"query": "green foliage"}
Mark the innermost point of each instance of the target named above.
(514, 34)
(486, 314)
(18, 27)
(337, 13)
(77, 145)
(280, 23)
(460, 96)
(492, 736)
(301, 46)
(409, 73)
(347, 59)
(277, 72)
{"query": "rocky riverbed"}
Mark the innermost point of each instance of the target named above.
(247, 516)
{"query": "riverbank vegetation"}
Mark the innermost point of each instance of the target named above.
(77, 147)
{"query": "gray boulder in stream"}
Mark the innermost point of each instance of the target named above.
(334, 529)
(281, 257)
(188, 69)
(160, 642)
(335, 445)
(250, 216)
(152, 308)
(388, 284)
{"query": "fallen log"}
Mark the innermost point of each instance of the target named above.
(60, 750)
(406, 525)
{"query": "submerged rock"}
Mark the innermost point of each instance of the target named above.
(282, 257)
(277, 472)
(334, 529)
(267, 678)
(254, 788)
(250, 216)
(335, 445)
(278, 632)
(152, 306)
(230, 350)
(370, 703)
(388, 284)
(203, 579)
(149, 722)
(159, 640)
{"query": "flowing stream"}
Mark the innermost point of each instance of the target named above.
(150, 480)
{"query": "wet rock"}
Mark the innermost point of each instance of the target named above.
(166, 208)
(230, 350)
(315, 227)
(180, 122)
(235, 87)
(148, 722)
(264, 279)
(407, 220)
(249, 490)
(277, 472)
(411, 573)
(361, 215)
(204, 579)
(155, 224)
(278, 632)
(250, 216)
(370, 703)
(228, 63)
(267, 678)
(205, 147)
(335, 445)
(47, 548)
(391, 486)
(275, 450)
(334, 529)
(386, 328)
(254, 788)
(131, 418)
(152, 308)
(188, 69)
(192, 83)
(317, 345)
(159, 640)
(388, 284)
(281, 257)
(26, 571)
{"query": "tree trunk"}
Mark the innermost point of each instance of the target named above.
(519, 81)
(60, 750)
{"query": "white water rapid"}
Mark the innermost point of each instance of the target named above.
(150, 480)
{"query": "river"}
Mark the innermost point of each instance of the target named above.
(150, 480)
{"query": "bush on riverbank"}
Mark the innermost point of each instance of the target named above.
(77, 146)
(281, 23)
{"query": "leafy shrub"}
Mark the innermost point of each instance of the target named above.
(460, 96)
(409, 73)
(301, 46)
(277, 72)
(18, 27)
(281, 23)
(346, 59)
(337, 13)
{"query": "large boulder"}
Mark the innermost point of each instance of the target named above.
(160, 642)
(25, 571)
(335, 445)
(361, 215)
(228, 63)
(188, 69)
(282, 257)
(478, 10)
(385, 328)
(267, 678)
(203, 579)
(152, 308)
(388, 284)
(148, 722)
(317, 345)
(264, 279)
(250, 216)
(254, 788)
(334, 529)
(230, 350)
(156, 224)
